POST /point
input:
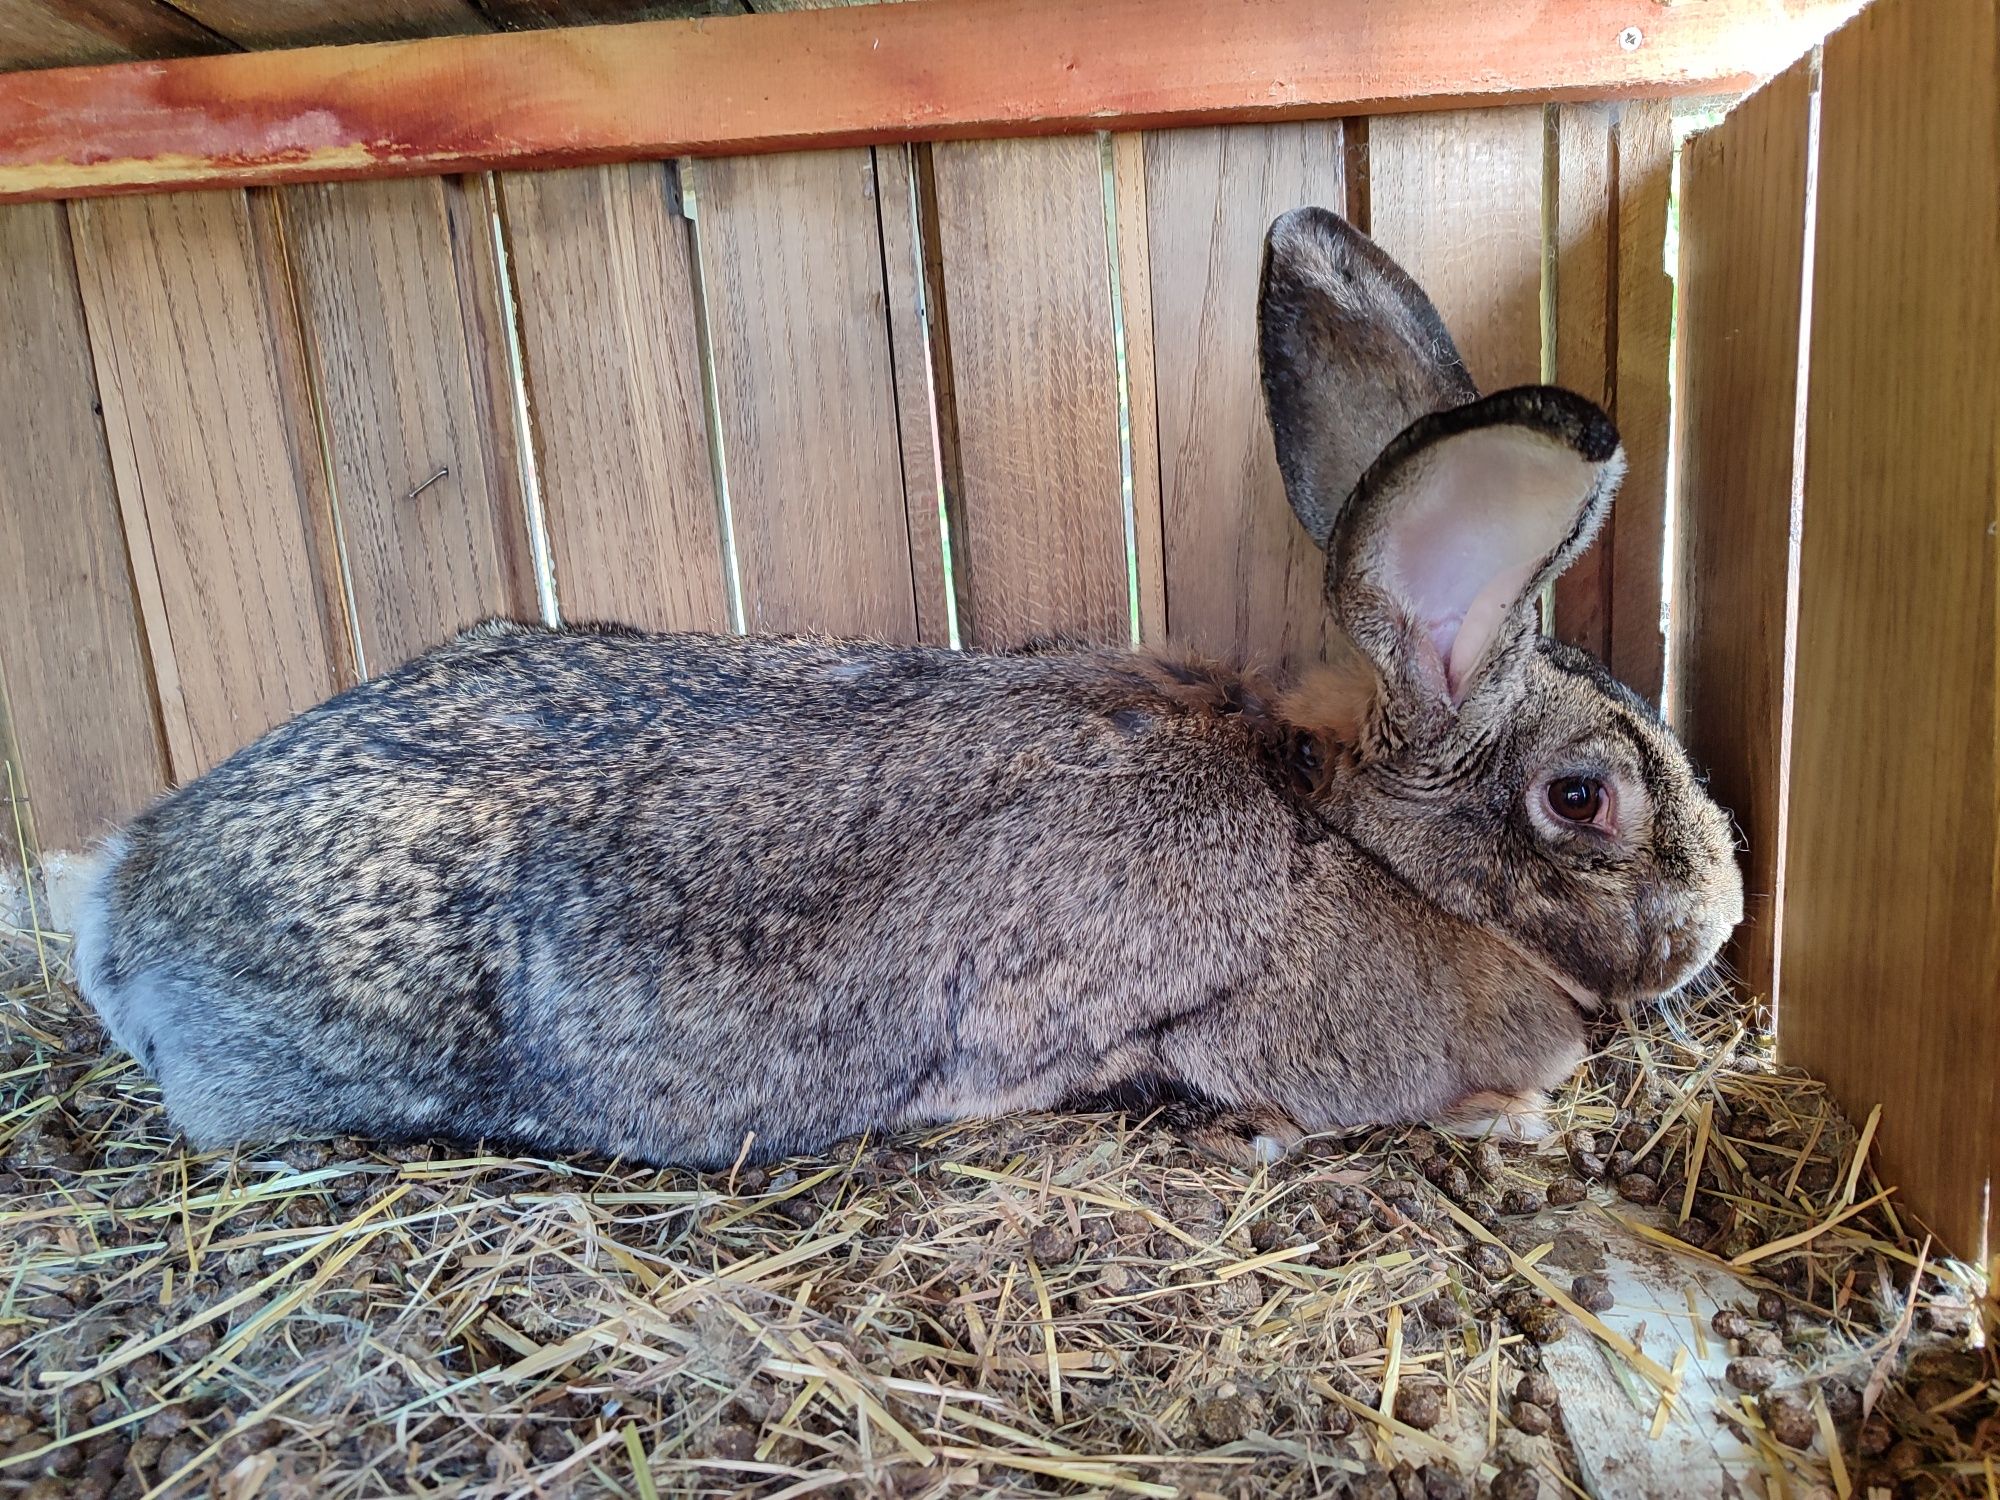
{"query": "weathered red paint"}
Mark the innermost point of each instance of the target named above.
(947, 68)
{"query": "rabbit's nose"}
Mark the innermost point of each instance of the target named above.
(1696, 935)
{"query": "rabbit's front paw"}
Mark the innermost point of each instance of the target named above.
(1508, 1117)
(1252, 1137)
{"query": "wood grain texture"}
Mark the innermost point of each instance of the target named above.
(1243, 578)
(806, 392)
(1354, 132)
(604, 277)
(72, 653)
(217, 468)
(1642, 401)
(859, 75)
(312, 23)
(944, 389)
(1132, 234)
(72, 33)
(916, 394)
(766, 7)
(1585, 258)
(1742, 269)
(1892, 916)
(1616, 165)
(523, 14)
(1456, 198)
(68, 33)
(486, 301)
(432, 518)
(1616, 1455)
(1038, 534)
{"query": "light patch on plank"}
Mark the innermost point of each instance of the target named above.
(1606, 1411)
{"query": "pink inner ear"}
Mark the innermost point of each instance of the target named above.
(1477, 516)
(1482, 623)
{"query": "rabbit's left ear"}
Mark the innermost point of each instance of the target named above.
(1352, 352)
(1438, 555)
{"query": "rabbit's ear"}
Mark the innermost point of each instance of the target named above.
(1438, 555)
(1352, 353)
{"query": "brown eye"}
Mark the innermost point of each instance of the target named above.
(1576, 799)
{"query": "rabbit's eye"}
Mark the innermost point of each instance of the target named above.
(1576, 799)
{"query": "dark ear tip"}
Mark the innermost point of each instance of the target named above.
(1572, 420)
(1576, 420)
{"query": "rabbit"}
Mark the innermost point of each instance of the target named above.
(694, 899)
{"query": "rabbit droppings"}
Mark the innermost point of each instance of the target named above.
(656, 896)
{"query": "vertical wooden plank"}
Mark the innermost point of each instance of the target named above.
(916, 392)
(1641, 401)
(80, 699)
(1614, 314)
(608, 330)
(216, 463)
(1354, 133)
(805, 392)
(1742, 269)
(1242, 576)
(1132, 231)
(1456, 197)
(1891, 946)
(1585, 262)
(944, 389)
(486, 301)
(1038, 538)
(434, 526)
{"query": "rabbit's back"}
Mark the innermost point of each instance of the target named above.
(646, 894)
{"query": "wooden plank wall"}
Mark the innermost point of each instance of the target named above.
(1239, 570)
(1742, 274)
(1891, 939)
(1038, 514)
(610, 338)
(402, 325)
(222, 484)
(1835, 613)
(62, 33)
(66, 599)
(339, 421)
(1613, 303)
(805, 392)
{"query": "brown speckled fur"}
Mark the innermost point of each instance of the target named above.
(589, 890)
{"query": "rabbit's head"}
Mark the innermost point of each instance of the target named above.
(1505, 776)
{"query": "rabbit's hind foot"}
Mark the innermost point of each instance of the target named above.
(1252, 1137)
(1506, 1117)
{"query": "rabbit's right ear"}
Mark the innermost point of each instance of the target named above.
(1352, 353)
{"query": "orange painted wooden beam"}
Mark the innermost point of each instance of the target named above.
(926, 71)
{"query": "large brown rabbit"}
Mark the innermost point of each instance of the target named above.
(589, 890)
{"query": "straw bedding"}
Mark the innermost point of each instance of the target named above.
(1029, 1306)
